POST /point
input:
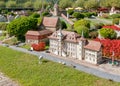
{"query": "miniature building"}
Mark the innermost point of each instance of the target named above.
(70, 44)
(37, 36)
(50, 23)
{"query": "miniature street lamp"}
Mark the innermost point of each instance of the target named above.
(113, 53)
(40, 58)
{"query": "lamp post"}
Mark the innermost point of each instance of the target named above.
(113, 53)
(40, 58)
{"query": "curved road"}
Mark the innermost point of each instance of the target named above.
(75, 65)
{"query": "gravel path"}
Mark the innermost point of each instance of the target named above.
(5, 81)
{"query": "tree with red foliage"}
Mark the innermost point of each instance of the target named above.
(38, 47)
(109, 46)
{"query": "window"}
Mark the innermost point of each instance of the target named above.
(90, 58)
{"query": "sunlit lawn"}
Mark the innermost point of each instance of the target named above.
(24, 69)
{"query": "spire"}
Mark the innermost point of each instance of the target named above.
(60, 35)
(82, 35)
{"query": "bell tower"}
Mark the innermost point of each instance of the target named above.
(60, 37)
(56, 9)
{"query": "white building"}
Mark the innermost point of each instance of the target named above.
(71, 45)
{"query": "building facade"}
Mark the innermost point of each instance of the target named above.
(37, 36)
(71, 45)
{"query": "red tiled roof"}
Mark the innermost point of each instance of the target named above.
(50, 21)
(114, 27)
(37, 33)
(93, 45)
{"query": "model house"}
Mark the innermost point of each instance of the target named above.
(37, 36)
(70, 45)
(50, 23)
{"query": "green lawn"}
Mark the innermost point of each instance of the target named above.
(26, 46)
(24, 69)
(2, 38)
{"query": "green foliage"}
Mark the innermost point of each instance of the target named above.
(20, 26)
(116, 21)
(11, 4)
(3, 25)
(2, 4)
(85, 30)
(108, 33)
(11, 41)
(35, 15)
(45, 13)
(25, 69)
(4, 11)
(2, 38)
(93, 34)
(28, 4)
(38, 4)
(110, 3)
(70, 11)
(11, 13)
(65, 3)
(89, 14)
(91, 4)
(78, 15)
(39, 20)
(98, 25)
(63, 24)
(82, 22)
(79, 3)
(115, 16)
(26, 46)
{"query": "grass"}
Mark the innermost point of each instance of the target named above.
(26, 46)
(24, 69)
(2, 38)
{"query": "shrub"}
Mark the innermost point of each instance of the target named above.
(45, 13)
(84, 29)
(28, 4)
(38, 47)
(11, 41)
(115, 16)
(70, 11)
(78, 15)
(108, 33)
(116, 21)
(2, 4)
(20, 26)
(82, 22)
(89, 14)
(93, 34)
(3, 26)
(39, 20)
(35, 15)
(98, 25)
(10, 13)
(63, 24)
(11, 4)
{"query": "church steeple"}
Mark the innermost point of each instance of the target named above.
(60, 35)
(82, 35)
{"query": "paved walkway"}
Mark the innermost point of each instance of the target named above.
(5, 81)
(79, 65)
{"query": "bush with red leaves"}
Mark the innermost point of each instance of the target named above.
(38, 47)
(110, 46)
